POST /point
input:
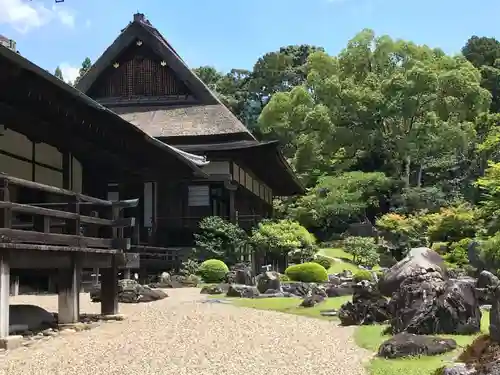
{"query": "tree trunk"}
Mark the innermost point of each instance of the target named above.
(419, 176)
(407, 172)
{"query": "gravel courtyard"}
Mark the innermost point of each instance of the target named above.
(182, 336)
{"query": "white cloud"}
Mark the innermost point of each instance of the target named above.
(69, 72)
(66, 17)
(26, 15)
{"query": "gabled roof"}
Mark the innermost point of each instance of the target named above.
(194, 162)
(163, 120)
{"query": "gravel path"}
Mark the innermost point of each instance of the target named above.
(182, 336)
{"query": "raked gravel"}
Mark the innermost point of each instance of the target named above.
(183, 336)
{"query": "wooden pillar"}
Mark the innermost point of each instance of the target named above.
(69, 292)
(5, 222)
(4, 294)
(14, 286)
(126, 274)
(109, 289)
(95, 279)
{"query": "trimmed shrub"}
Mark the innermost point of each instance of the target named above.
(307, 272)
(325, 262)
(213, 271)
(284, 277)
(362, 275)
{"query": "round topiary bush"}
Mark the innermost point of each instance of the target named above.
(307, 272)
(362, 275)
(213, 271)
(325, 262)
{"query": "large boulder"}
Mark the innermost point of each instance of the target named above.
(211, 289)
(368, 306)
(417, 259)
(240, 273)
(130, 291)
(242, 291)
(487, 280)
(30, 317)
(427, 304)
(268, 280)
(495, 316)
(409, 345)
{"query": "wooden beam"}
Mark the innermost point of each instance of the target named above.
(42, 211)
(52, 189)
(21, 236)
(4, 294)
(24, 246)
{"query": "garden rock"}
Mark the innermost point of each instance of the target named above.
(426, 304)
(416, 260)
(334, 279)
(408, 345)
(487, 280)
(458, 369)
(30, 316)
(495, 316)
(368, 306)
(241, 273)
(211, 289)
(339, 291)
(312, 301)
(130, 291)
(298, 289)
(268, 280)
(242, 291)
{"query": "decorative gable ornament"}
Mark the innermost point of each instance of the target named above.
(163, 63)
(116, 65)
(139, 43)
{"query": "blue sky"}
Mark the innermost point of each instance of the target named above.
(234, 33)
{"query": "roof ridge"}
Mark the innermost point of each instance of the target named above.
(178, 65)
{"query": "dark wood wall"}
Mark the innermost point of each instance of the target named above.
(140, 73)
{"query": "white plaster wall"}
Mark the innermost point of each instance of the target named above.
(16, 143)
(49, 155)
(48, 176)
(15, 167)
(217, 167)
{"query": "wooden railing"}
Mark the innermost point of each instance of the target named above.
(75, 231)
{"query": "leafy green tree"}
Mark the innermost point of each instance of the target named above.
(484, 54)
(363, 250)
(58, 73)
(219, 239)
(86, 65)
(284, 237)
(392, 100)
(337, 201)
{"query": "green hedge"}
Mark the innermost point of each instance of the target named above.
(213, 271)
(325, 262)
(307, 272)
(362, 275)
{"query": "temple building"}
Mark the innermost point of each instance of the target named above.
(142, 78)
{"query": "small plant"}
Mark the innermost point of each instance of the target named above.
(213, 271)
(190, 267)
(307, 272)
(363, 250)
(458, 254)
(362, 275)
(284, 278)
(219, 239)
(325, 262)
